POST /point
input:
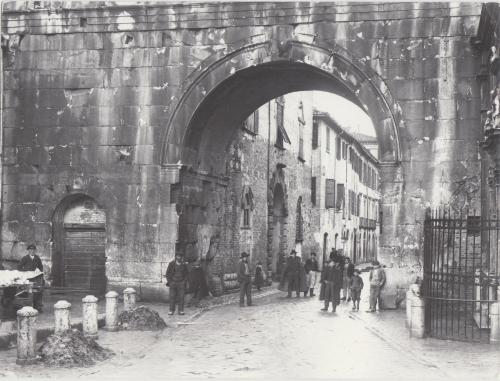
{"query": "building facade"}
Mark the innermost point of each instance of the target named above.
(346, 182)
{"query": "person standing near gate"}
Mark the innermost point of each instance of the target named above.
(245, 280)
(32, 262)
(177, 273)
(312, 269)
(377, 280)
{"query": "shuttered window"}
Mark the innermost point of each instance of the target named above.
(315, 142)
(313, 191)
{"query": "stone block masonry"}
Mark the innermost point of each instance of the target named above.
(93, 97)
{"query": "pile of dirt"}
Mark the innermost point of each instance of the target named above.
(141, 319)
(71, 349)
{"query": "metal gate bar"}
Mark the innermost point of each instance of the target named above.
(460, 274)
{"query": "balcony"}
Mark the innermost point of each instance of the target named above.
(365, 223)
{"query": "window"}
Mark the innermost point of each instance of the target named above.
(246, 218)
(338, 147)
(315, 139)
(313, 191)
(281, 135)
(251, 124)
(327, 139)
(247, 206)
(301, 141)
(340, 196)
(344, 151)
(329, 193)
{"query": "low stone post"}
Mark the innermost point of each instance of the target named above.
(89, 322)
(111, 311)
(477, 289)
(62, 316)
(495, 323)
(26, 336)
(409, 298)
(129, 299)
(417, 323)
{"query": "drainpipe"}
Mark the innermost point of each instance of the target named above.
(1, 126)
(269, 264)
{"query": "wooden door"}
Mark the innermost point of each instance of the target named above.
(84, 257)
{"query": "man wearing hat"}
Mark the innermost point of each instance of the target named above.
(177, 273)
(245, 280)
(32, 262)
(292, 273)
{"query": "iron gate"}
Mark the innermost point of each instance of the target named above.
(460, 277)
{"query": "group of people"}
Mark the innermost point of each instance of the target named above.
(338, 275)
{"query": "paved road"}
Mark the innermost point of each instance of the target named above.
(279, 338)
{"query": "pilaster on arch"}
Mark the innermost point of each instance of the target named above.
(365, 87)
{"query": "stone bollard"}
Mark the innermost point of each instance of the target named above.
(89, 322)
(26, 336)
(129, 299)
(409, 298)
(62, 316)
(495, 322)
(417, 323)
(111, 311)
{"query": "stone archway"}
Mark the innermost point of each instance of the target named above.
(260, 71)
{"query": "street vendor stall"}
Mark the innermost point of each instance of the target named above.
(17, 289)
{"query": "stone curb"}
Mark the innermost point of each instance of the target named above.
(232, 299)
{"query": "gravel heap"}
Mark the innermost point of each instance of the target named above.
(71, 349)
(141, 319)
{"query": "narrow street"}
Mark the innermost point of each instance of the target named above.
(281, 338)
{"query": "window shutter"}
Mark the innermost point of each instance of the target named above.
(340, 196)
(329, 193)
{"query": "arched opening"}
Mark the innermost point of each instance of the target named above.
(79, 236)
(278, 228)
(204, 135)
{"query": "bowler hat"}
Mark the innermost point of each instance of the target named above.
(31, 247)
(244, 254)
(293, 252)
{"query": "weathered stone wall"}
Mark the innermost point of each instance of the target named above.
(89, 93)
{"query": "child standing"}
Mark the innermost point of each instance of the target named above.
(356, 287)
(259, 276)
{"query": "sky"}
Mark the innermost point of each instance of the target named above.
(347, 114)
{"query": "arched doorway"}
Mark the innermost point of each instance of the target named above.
(79, 235)
(278, 228)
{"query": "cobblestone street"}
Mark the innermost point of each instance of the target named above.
(282, 338)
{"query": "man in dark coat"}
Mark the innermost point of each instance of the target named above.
(245, 280)
(332, 280)
(292, 274)
(177, 273)
(32, 262)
